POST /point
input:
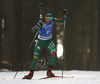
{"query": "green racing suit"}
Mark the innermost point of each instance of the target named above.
(45, 40)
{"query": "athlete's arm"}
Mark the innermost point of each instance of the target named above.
(37, 26)
(59, 20)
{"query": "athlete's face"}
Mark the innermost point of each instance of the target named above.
(47, 20)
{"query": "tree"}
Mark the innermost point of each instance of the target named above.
(0, 29)
(98, 36)
(10, 42)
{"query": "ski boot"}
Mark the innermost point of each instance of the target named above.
(49, 72)
(29, 76)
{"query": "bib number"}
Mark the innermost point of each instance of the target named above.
(48, 32)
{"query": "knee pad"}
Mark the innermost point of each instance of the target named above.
(53, 54)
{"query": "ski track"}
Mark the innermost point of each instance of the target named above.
(80, 77)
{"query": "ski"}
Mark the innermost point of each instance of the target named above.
(41, 78)
(57, 77)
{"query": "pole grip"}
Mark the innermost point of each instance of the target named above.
(40, 4)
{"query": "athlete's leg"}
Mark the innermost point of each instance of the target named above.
(38, 48)
(51, 47)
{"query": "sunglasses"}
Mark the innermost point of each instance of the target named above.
(49, 18)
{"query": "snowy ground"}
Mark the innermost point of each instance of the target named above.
(80, 77)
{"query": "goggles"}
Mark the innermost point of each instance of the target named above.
(49, 18)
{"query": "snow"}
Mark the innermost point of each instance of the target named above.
(80, 77)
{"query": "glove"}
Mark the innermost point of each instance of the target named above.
(65, 12)
(40, 24)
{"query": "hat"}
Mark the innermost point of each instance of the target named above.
(48, 14)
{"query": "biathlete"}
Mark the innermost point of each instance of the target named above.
(44, 39)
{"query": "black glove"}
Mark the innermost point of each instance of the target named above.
(65, 11)
(40, 24)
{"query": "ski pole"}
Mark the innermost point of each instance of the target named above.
(40, 4)
(65, 14)
(34, 38)
(63, 47)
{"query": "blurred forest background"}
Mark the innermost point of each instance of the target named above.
(82, 34)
